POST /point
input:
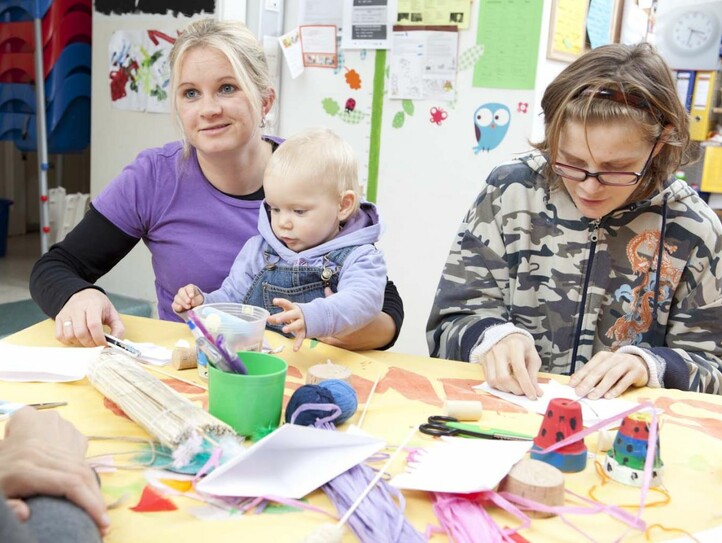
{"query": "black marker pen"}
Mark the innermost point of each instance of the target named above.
(122, 346)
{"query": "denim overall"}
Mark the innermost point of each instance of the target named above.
(298, 284)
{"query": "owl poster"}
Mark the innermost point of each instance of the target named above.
(491, 122)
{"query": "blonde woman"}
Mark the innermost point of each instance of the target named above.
(194, 202)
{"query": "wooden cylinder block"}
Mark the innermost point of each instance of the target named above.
(537, 481)
(324, 372)
(463, 410)
(183, 358)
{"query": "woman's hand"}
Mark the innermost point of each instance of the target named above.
(375, 335)
(512, 365)
(610, 374)
(43, 454)
(81, 320)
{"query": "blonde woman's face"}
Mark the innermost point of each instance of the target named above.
(215, 113)
(613, 147)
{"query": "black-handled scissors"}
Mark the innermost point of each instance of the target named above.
(437, 425)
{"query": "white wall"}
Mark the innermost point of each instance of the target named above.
(428, 174)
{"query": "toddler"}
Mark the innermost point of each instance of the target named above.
(315, 234)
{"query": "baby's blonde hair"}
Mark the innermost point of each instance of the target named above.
(321, 155)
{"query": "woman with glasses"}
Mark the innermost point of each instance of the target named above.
(587, 257)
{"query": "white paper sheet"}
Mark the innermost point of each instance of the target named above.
(462, 465)
(45, 364)
(291, 462)
(592, 410)
(153, 354)
(320, 12)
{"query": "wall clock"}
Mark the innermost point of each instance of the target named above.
(689, 37)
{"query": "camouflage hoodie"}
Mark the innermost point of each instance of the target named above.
(525, 255)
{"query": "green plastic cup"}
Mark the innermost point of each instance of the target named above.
(249, 403)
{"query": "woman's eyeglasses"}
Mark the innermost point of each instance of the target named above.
(615, 179)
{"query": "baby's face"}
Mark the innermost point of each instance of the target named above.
(304, 212)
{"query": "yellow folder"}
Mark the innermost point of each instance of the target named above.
(701, 117)
(712, 169)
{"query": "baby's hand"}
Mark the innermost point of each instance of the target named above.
(187, 298)
(292, 317)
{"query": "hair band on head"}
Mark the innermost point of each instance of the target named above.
(625, 99)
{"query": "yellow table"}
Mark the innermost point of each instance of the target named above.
(410, 389)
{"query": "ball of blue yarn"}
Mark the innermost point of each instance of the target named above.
(344, 396)
(333, 391)
(308, 394)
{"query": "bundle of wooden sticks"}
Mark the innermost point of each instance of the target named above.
(172, 419)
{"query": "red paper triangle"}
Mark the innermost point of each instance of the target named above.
(151, 501)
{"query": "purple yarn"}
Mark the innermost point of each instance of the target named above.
(377, 519)
(331, 410)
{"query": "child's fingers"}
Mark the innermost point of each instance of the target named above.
(189, 297)
(178, 305)
(300, 336)
(296, 327)
(284, 304)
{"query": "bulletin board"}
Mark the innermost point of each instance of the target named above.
(604, 22)
(576, 26)
(567, 30)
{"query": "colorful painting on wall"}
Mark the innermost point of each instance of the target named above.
(138, 70)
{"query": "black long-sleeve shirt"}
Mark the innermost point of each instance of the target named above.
(95, 246)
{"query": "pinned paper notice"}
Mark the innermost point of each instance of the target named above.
(45, 364)
(291, 47)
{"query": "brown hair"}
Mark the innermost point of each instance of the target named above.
(621, 82)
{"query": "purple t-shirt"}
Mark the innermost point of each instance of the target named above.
(193, 231)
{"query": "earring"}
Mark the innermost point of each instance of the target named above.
(263, 122)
